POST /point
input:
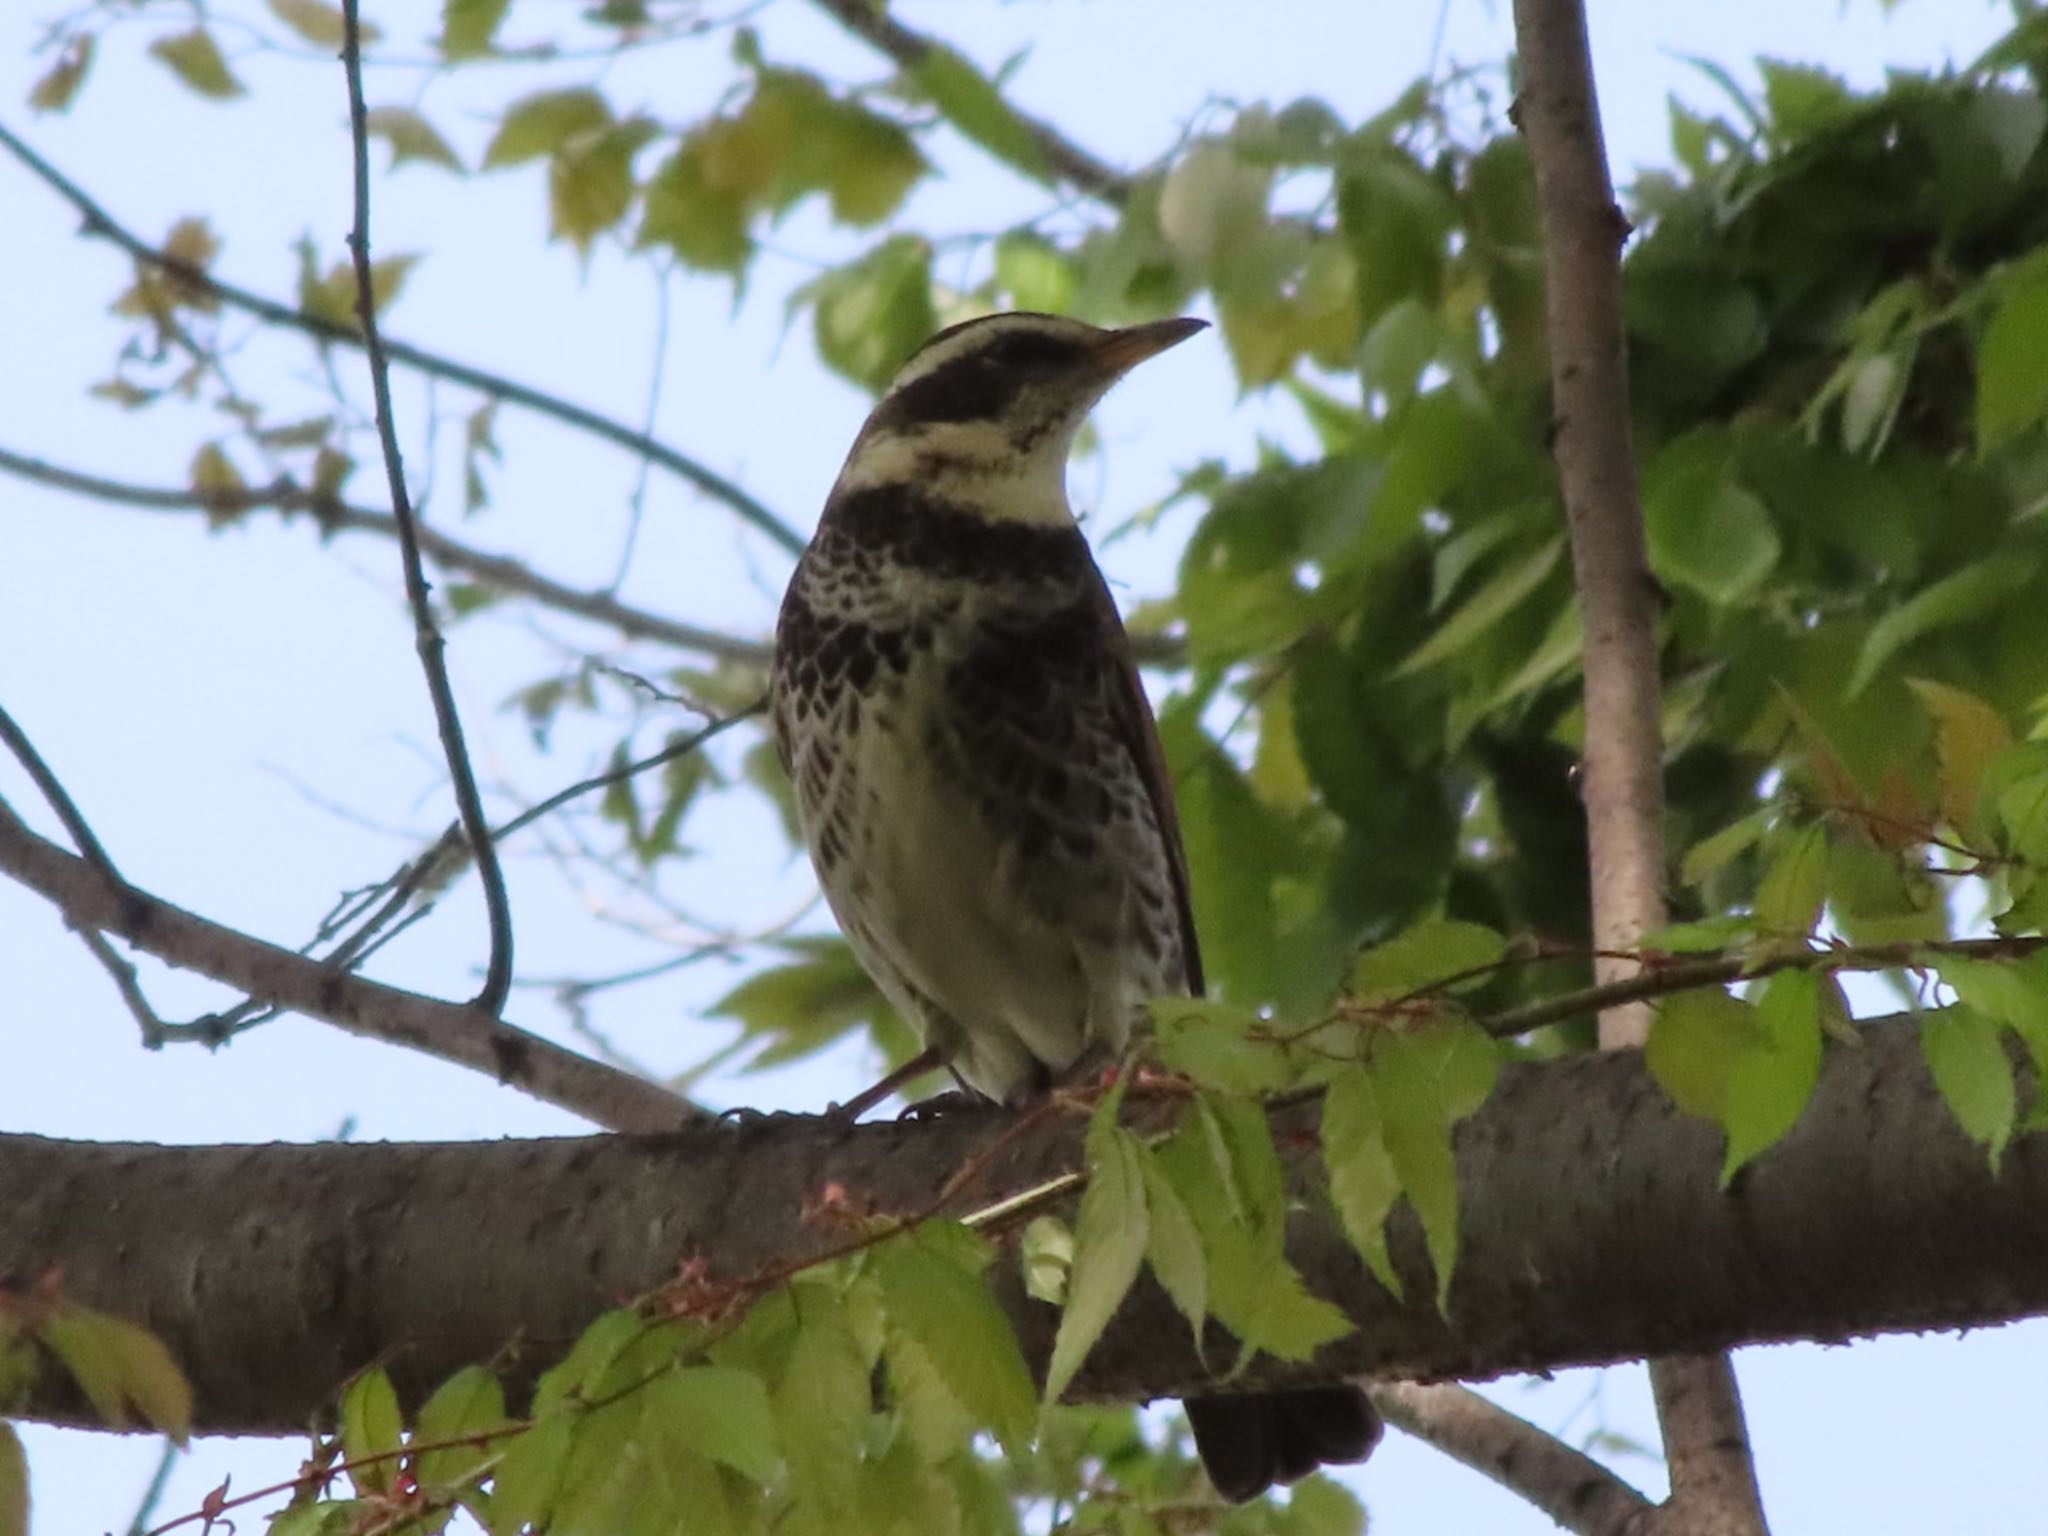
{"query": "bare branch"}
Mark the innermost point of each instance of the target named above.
(426, 633)
(1713, 1477)
(453, 1032)
(450, 554)
(1068, 161)
(100, 223)
(1566, 1484)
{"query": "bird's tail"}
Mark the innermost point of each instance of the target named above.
(1250, 1441)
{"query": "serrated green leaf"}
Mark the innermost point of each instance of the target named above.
(1770, 1084)
(540, 124)
(1709, 533)
(1110, 1237)
(120, 1367)
(823, 1401)
(1211, 1043)
(1712, 854)
(1431, 954)
(588, 1359)
(371, 1430)
(1788, 899)
(871, 314)
(1962, 595)
(469, 27)
(471, 1402)
(1173, 1243)
(716, 1411)
(972, 103)
(1695, 1041)
(941, 1317)
(1424, 1082)
(14, 1503)
(195, 58)
(527, 1481)
(1966, 1055)
(411, 137)
(1363, 1182)
(2012, 391)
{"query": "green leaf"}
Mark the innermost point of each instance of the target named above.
(719, 1412)
(1363, 1182)
(943, 1320)
(2012, 387)
(1709, 533)
(871, 314)
(1424, 1082)
(1173, 1243)
(527, 1482)
(471, 1402)
(703, 220)
(1211, 1043)
(469, 27)
(1110, 1237)
(411, 137)
(590, 181)
(541, 124)
(1770, 1082)
(1426, 957)
(371, 1430)
(1964, 594)
(971, 102)
(120, 1367)
(1711, 854)
(823, 1401)
(1035, 274)
(1966, 1055)
(1485, 608)
(588, 1359)
(58, 86)
(318, 22)
(1694, 1043)
(14, 1504)
(196, 59)
(1789, 898)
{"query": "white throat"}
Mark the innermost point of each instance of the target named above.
(972, 463)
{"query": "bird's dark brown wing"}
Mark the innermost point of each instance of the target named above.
(1134, 722)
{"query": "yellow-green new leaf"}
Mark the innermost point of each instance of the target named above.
(541, 124)
(1424, 1082)
(468, 27)
(1173, 1243)
(411, 137)
(716, 1411)
(196, 59)
(1695, 1041)
(120, 1367)
(371, 1426)
(1788, 899)
(823, 1401)
(1437, 953)
(1965, 1052)
(972, 103)
(319, 23)
(940, 1311)
(527, 1481)
(1110, 1237)
(1770, 1083)
(469, 1403)
(1363, 1183)
(1968, 734)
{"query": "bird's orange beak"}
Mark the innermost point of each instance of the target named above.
(1121, 351)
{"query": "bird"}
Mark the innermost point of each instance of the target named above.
(978, 776)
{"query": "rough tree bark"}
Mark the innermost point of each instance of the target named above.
(1594, 1230)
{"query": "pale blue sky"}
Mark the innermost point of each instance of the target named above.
(188, 689)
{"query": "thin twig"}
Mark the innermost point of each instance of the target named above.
(52, 789)
(100, 223)
(1566, 1484)
(128, 982)
(1706, 1443)
(450, 554)
(426, 634)
(453, 1032)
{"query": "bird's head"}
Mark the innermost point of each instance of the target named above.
(986, 411)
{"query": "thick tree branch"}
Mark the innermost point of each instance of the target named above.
(98, 222)
(1569, 1486)
(451, 555)
(1713, 1477)
(1593, 1229)
(1068, 161)
(427, 640)
(451, 1031)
